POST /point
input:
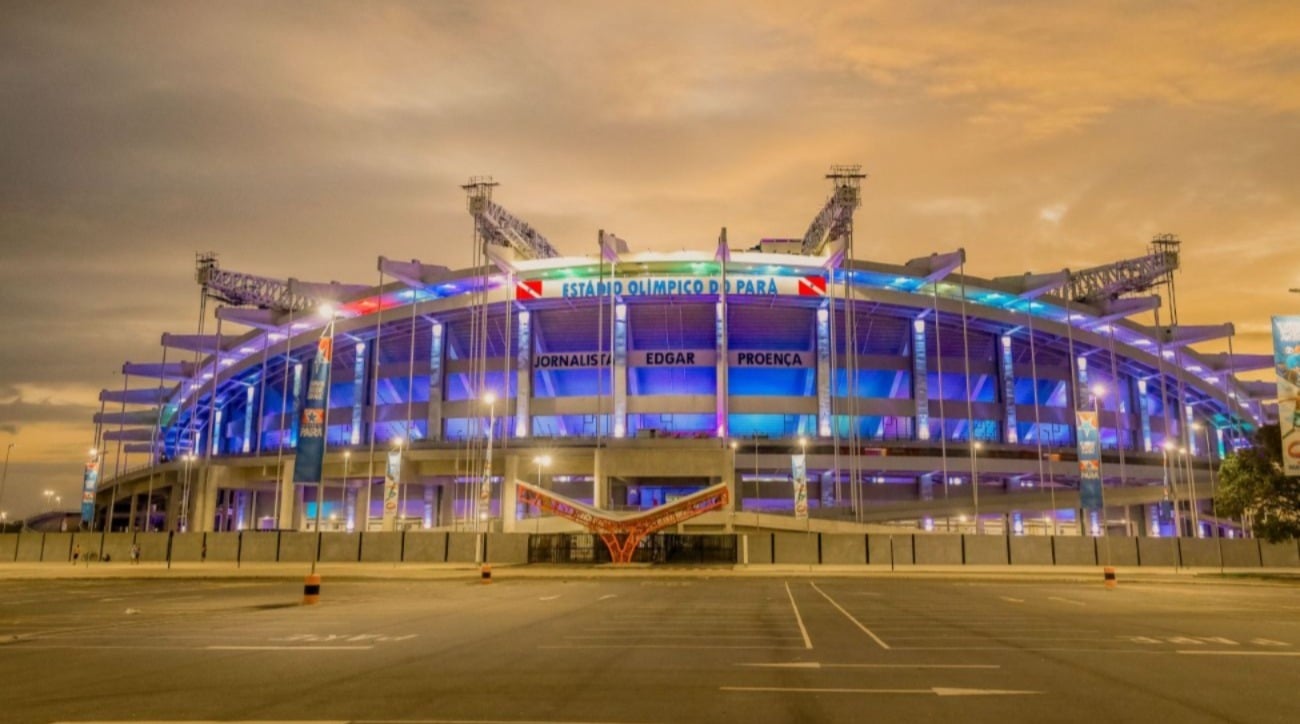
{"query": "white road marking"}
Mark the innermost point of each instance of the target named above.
(1066, 600)
(858, 623)
(289, 648)
(817, 665)
(935, 691)
(353, 721)
(686, 636)
(548, 598)
(1238, 653)
(683, 647)
(1009, 599)
(607, 596)
(807, 642)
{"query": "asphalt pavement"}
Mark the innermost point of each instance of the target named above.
(646, 648)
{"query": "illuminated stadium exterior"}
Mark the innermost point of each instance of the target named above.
(626, 380)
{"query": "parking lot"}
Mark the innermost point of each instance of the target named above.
(656, 649)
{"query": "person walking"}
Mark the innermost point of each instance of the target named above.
(76, 553)
(135, 554)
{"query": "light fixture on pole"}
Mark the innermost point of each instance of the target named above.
(4, 477)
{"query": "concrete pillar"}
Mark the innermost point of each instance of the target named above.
(446, 502)
(1144, 414)
(130, 516)
(729, 477)
(173, 502)
(599, 483)
(523, 374)
(350, 509)
(436, 357)
(920, 383)
(824, 372)
(204, 496)
(509, 499)
(287, 497)
(1007, 378)
(428, 516)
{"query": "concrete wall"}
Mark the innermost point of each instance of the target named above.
(88, 541)
(298, 547)
(58, 548)
(187, 547)
(937, 549)
(8, 547)
(224, 547)
(844, 550)
(1240, 552)
(760, 548)
(1158, 551)
(153, 546)
(1123, 550)
(1280, 555)
(1075, 551)
(427, 547)
(381, 547)
(117, 546)
(794, 548)
(1031, 550)
(340, 547)
(1201, 553)
(507, 548)
(29, 547)
(985, 550)
(460, 547)
(884, 549)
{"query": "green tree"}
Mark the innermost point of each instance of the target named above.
(1251, 485)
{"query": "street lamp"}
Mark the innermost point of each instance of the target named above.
(49, 496)
(4, 478)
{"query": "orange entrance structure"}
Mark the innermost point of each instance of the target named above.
(623, 532)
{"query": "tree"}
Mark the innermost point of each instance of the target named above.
(1251, 484)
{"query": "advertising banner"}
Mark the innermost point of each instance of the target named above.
(392, 475)
(89, 481)
(311, 428)
(799, 470)
(1286, 358)
(810, 285)
(1089, 460)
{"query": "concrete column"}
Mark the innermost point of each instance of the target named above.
(925, 487)
(729, 477)
(429, 513)
(920, 382)
(523, 374)
(350, 510)
(824, 372)
(436, 358)
(446, 502)
(130, 516)
(205, 499)
(619, 381)
(599, 483)
(509, 499)
(173, 502)
(1007, 377)
(287, 497)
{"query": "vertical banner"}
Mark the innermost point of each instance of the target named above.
(392, 475)
(311, 429)
(1089, 460)
(1286, 356)
(89, 481)
(799, 469)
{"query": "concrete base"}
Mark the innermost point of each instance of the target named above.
(884, 549)
(8, 547)
(29, 547)
(187, 547)
(1158, 552)
(89, 543)
(1123, 551)
(794, 549)
(461, 547)
(1241, 552)
(760, 548)
(1201, 553)
(1280, 555)
(224, 547)
(58, 548)
(844, 550)
(153, 546)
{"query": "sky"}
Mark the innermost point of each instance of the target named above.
(304, 140)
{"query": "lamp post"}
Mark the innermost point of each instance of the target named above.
(49, 497)
(541, 461)
(4, 477)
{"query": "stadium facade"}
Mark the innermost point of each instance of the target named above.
(919, 395)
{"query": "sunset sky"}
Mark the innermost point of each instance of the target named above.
(306, 139)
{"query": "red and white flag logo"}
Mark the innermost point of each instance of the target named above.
(528, 289)
(813, 286)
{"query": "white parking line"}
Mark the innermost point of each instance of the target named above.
(289, 648)
(817, 665)
(933, 691)
(1066, 600)
(856, 622)
(807, 642)
(1238, 653)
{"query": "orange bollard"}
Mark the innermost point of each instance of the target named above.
(311, 590)
(486, 573)
(1109, 573)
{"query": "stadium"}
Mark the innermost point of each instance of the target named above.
(826, 392)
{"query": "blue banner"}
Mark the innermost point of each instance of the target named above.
(1286, 356)
(1089, 437)
(311, 428)
(89, 481)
